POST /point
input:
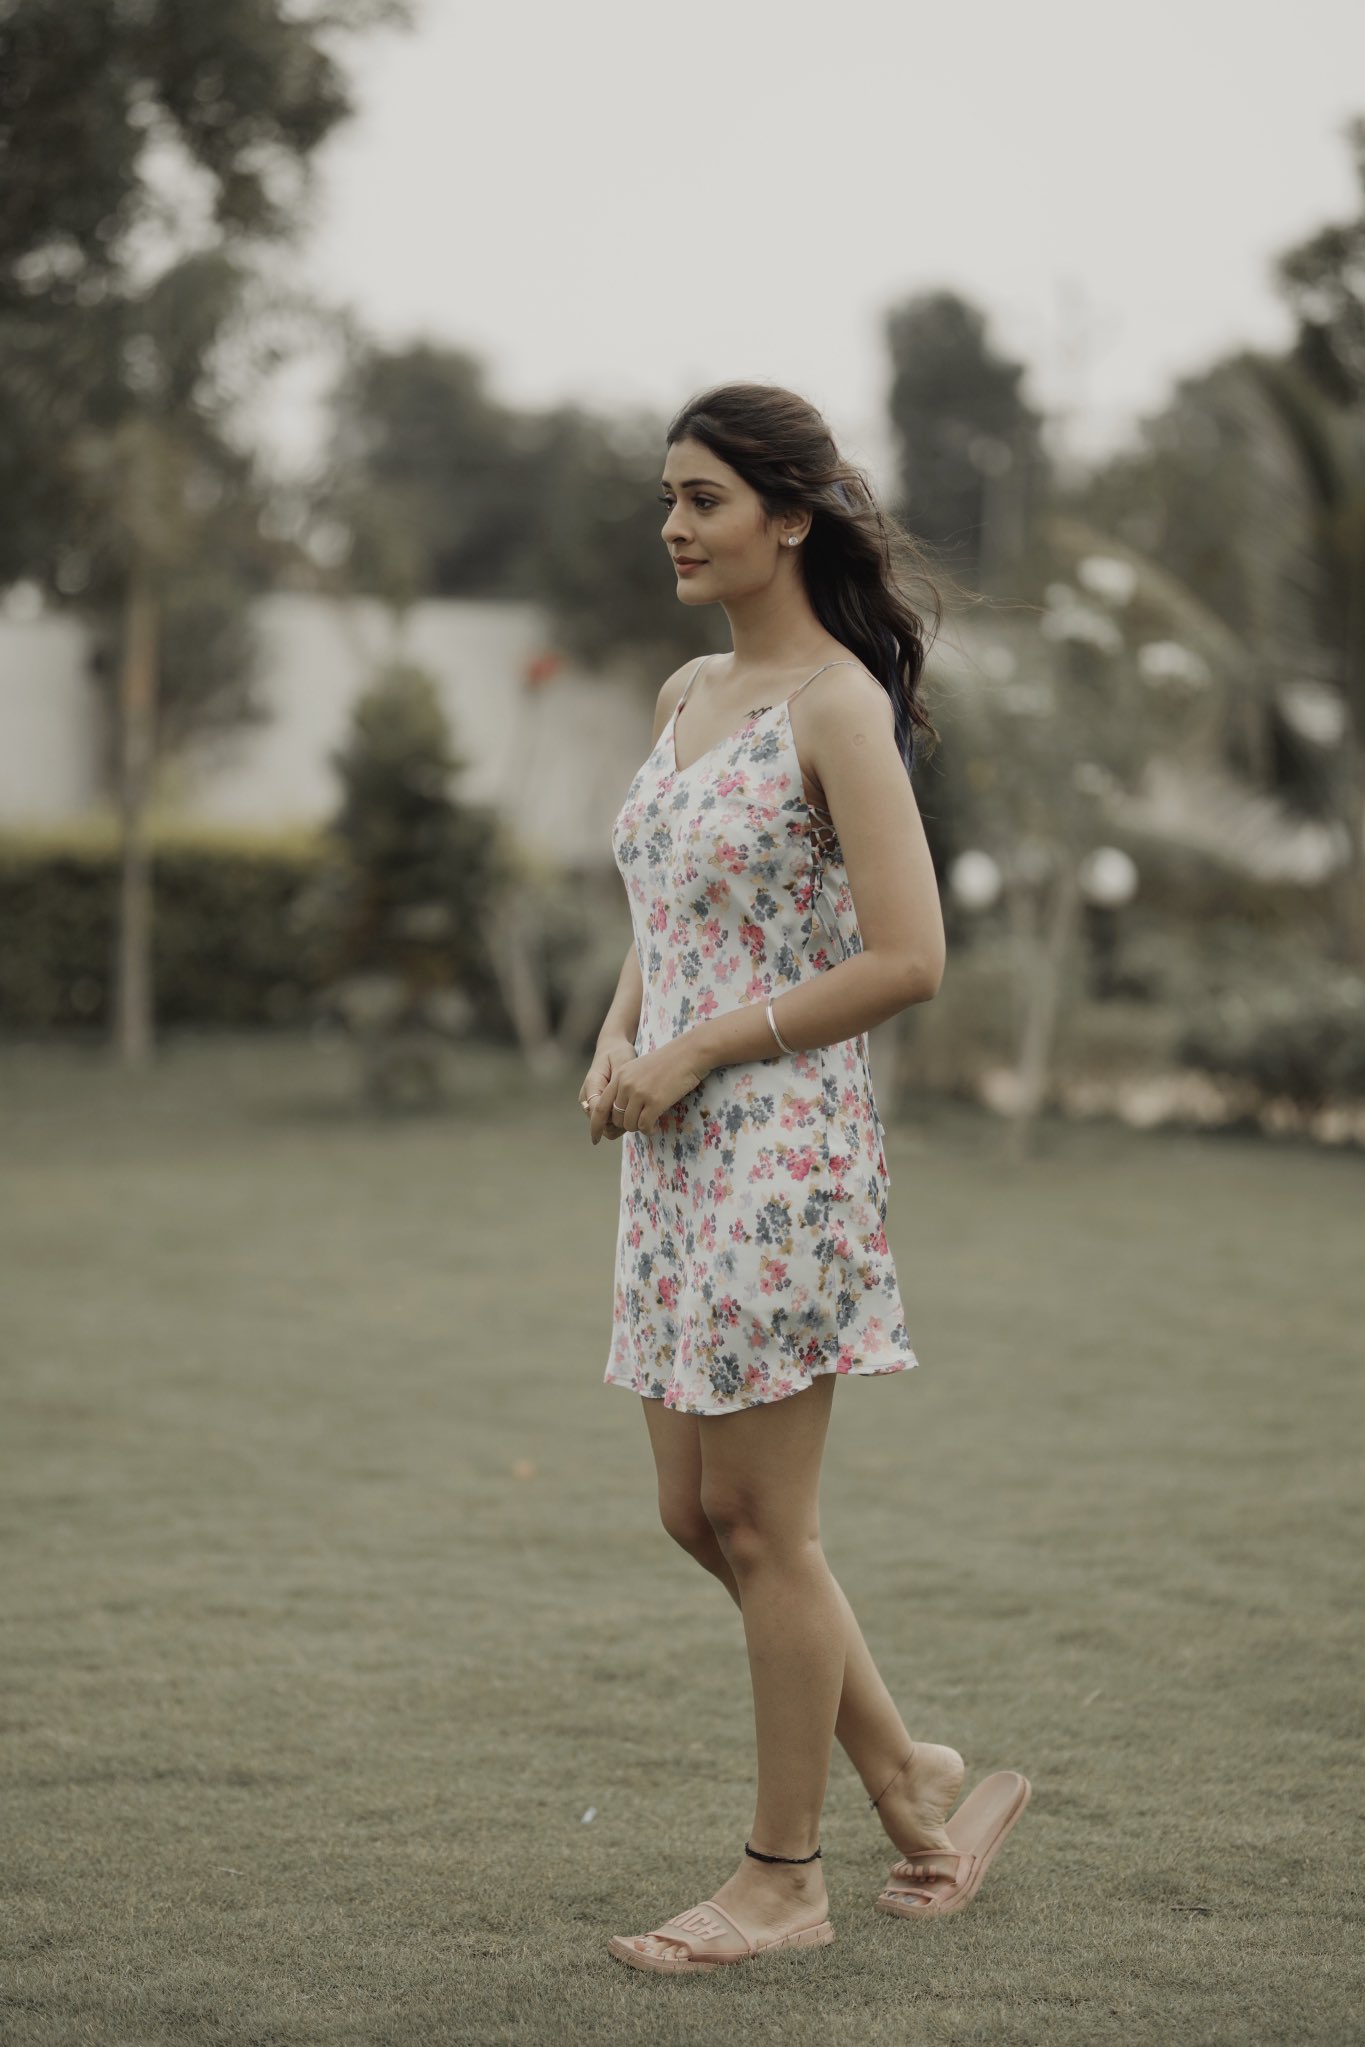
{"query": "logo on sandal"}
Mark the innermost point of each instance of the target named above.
(703, 1923)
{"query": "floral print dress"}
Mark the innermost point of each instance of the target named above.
(751, 1253)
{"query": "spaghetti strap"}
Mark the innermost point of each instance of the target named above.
(688, 684)
(844, 661)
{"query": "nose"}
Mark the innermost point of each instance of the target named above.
(672, 531)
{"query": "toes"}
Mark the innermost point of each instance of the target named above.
(654, 1944)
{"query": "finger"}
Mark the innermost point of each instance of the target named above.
(601, 1111)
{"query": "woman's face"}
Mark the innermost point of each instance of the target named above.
(715, 519)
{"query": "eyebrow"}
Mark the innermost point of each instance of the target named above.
(691, 482)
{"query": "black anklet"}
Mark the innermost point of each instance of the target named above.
(760, 1857)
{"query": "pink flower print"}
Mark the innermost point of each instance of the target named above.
(772, 1275)
(672, 1393)
(801, 1160)
(712, 935)
(729, 783)
(877, 1241)
(844, 1362)
(738, 1233)
(756, 990)
(658, 917)
(798, 1111)
(668, 1290)
(751, 934)
(708, 1002)
(736, 858)
(763, 1167)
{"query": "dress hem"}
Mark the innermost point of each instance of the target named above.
(906, 1364)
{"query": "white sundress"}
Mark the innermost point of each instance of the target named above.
(751, 1252)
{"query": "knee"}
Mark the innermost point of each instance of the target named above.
(748, 1536)
(683, 1518)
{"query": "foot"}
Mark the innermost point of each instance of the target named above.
(915, 1805)
(766, 1899)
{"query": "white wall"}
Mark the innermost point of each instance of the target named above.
(49, 764)
(556, 760)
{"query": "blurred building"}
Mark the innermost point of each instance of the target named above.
(552, 747)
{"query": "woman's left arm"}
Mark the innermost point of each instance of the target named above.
(849, 737)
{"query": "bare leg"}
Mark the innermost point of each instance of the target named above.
(912, 1801)
(759, 1478)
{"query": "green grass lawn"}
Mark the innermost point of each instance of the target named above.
(335, 1593)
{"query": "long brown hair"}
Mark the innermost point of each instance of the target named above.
(855, 552)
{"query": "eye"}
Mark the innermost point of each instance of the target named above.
(664, 499)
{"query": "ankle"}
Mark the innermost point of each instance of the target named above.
(895, 1782)
(793, 1879)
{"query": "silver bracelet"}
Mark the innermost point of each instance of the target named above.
(776, 1032)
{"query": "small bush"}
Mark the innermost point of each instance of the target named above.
(1302, 1039)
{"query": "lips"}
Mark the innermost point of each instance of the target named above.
(687, 561)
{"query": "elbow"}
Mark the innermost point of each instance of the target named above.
(919, 980)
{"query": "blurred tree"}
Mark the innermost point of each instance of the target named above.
(144, 150)
(1323, 279)
(431, 480)
(599, 559)
(1249, 489)
(438, 489)
(973, 470)
(399, 920)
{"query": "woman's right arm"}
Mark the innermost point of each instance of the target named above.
(620, 1026)
(623, 1017)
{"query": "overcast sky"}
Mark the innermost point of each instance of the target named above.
(618, 201)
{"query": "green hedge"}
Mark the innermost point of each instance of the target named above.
(224, 948)
(233, 943)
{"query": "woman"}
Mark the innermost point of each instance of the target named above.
(783, 902)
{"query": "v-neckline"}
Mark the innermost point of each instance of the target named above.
(749, 718)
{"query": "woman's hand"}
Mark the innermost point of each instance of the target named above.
(638, 1091)
(596, 1094)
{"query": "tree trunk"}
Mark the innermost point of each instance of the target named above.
(133, 1025)
(1042, 1004)
(514, 952)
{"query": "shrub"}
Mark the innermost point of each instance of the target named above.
(1302, 1039)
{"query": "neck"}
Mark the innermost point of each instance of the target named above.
(774, 630)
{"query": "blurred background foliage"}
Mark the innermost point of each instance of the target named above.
(1147, 815)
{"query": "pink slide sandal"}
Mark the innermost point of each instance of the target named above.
(919, 1886)
(708, 1938)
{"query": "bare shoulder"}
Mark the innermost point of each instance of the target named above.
(667, 701)
(847, 700)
